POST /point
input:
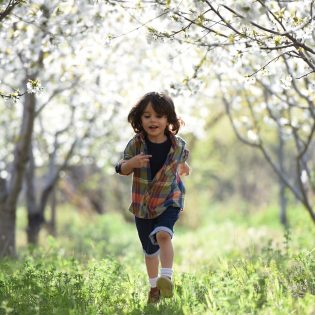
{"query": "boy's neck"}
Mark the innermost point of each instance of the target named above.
(157, 139)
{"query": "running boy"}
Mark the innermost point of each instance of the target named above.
(157, 159)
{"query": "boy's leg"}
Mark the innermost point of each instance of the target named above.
(166, 249)
(162, 235)
(152, 264)
(151, 254)
(164, 283)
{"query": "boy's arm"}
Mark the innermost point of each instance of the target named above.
(126, 167)
(129, 153)
(183, 167)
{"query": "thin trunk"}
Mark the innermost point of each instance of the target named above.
(283, 205)
(34, 216)
(7, 231)
(282, 198)
(53, 207)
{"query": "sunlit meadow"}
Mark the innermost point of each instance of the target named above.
(226, 266)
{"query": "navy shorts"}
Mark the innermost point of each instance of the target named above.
(147, 229)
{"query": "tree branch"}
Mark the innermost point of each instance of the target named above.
(10, 7)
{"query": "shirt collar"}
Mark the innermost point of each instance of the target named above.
(141, 138)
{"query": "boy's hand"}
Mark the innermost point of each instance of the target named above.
(140, 160)
(183, 169)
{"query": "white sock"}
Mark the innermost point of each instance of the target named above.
(167, 272)
(153, 282)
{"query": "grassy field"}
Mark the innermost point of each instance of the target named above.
(232, 263)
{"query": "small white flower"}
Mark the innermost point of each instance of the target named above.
(306, 129)
(283, 121)
(295, 123)
(236, 105)
(245, 120)
(108, 40)
(237, 124)
(265, 72)
(249, 81)
(286, 82)
(260, 108)
(268, 121)
(33, 86)
(283, 106)
(304, 177)
(4, 174)
(252, 135)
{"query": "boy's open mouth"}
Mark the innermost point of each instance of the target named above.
(153, 127)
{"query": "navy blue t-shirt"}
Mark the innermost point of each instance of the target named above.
(159, 152)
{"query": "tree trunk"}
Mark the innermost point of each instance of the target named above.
(7, 231)
(34, 216)
(8, 202)
(283, 205)
(35, 221)
(53, 218)
(282, 198)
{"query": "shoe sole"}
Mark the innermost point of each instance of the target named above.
(166, 287)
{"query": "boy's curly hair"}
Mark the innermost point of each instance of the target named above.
(162, 105)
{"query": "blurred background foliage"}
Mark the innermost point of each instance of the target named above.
(72, 71)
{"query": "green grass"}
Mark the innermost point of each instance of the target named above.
(231, 264)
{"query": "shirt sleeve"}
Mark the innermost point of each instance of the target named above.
(184, 155)
(130, 150)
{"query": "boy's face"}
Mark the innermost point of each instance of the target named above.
(154, 124)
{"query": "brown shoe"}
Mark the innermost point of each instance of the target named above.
(165, 285)
(154, 296)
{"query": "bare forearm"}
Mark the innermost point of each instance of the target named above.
(126, 168)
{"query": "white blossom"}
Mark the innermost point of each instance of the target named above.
(252, 135)
(245, 120)
(249, 81)
(306, 128)
(33, 86)
(268, 121)
(4, 174)
(283, 121)
(286, 82)
(304, 177)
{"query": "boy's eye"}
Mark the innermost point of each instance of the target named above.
(145, 116)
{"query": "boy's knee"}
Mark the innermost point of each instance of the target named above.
(162, 236)
(151, 257)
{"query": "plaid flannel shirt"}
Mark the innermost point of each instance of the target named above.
(151, 197)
